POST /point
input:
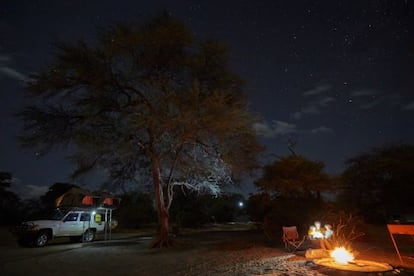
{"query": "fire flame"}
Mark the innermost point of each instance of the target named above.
(341, 255)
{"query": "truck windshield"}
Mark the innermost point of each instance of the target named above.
(56, 214)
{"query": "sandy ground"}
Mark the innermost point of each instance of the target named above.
(197, 253)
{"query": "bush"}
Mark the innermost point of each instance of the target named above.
(288, 212)
(136, 209)
(346, 227)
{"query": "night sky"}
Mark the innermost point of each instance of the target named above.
(335, 76)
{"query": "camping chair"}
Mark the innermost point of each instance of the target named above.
(291, 238)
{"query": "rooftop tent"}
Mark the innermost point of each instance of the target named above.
(111, 202)
(77, 197)
(108, 201)
(90, 200)
(73, 197)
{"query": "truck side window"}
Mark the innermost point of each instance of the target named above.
(85, 217)
(72, 217)
(103, 217)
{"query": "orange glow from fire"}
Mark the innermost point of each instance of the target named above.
(341, 255)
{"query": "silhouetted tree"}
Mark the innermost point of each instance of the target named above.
(137, 209)
(226, 208)
(148, 101)
(191, 209)
(32, 209)
(5, 180)
(9, 201)
(294, 185)
(380, 182)
(195, 210)
(294, 176)
(258, 206)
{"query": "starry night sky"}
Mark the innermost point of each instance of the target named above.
(337, 77)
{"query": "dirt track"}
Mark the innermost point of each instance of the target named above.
(202, 253)
(128, 254)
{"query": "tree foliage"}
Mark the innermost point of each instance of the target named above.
(258, 206)
(291, 193)
(294, 176)
(380, 182)
(197, 210)
(137, 209)
(146, 101)
(9, 201)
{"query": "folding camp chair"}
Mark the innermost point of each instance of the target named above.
(291, 238)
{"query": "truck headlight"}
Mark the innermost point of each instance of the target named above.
(34, 227)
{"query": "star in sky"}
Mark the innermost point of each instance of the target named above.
(336, 76)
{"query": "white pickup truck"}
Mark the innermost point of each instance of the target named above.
(80, 225)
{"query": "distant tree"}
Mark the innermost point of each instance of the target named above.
(294, 176)
(137, 209)
(32, 209)
(294, 185)
(148, 101)
(292, 146)
(190, 209)
(258, 206)
(226, 208)
(380, 182)
(195, 210)
(5, 180)
(9, 201)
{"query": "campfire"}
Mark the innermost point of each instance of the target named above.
(341, 256)
(335, 243)
(343, 259)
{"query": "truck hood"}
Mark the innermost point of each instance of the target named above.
(43, 223)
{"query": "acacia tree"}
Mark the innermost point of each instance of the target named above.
(292, 187)
(147, 101)
(294, 176)
(9, 201)
(380, 182)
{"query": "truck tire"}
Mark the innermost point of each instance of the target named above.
(41, 239)
(89, 236)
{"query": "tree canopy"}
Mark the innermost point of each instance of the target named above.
(9, 201)
(380, 183)
(292, 188)
(148, 101)
(294, 176)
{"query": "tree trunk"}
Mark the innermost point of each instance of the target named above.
(162, 239)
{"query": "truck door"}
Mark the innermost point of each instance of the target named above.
(85, 221)
(70, 225)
